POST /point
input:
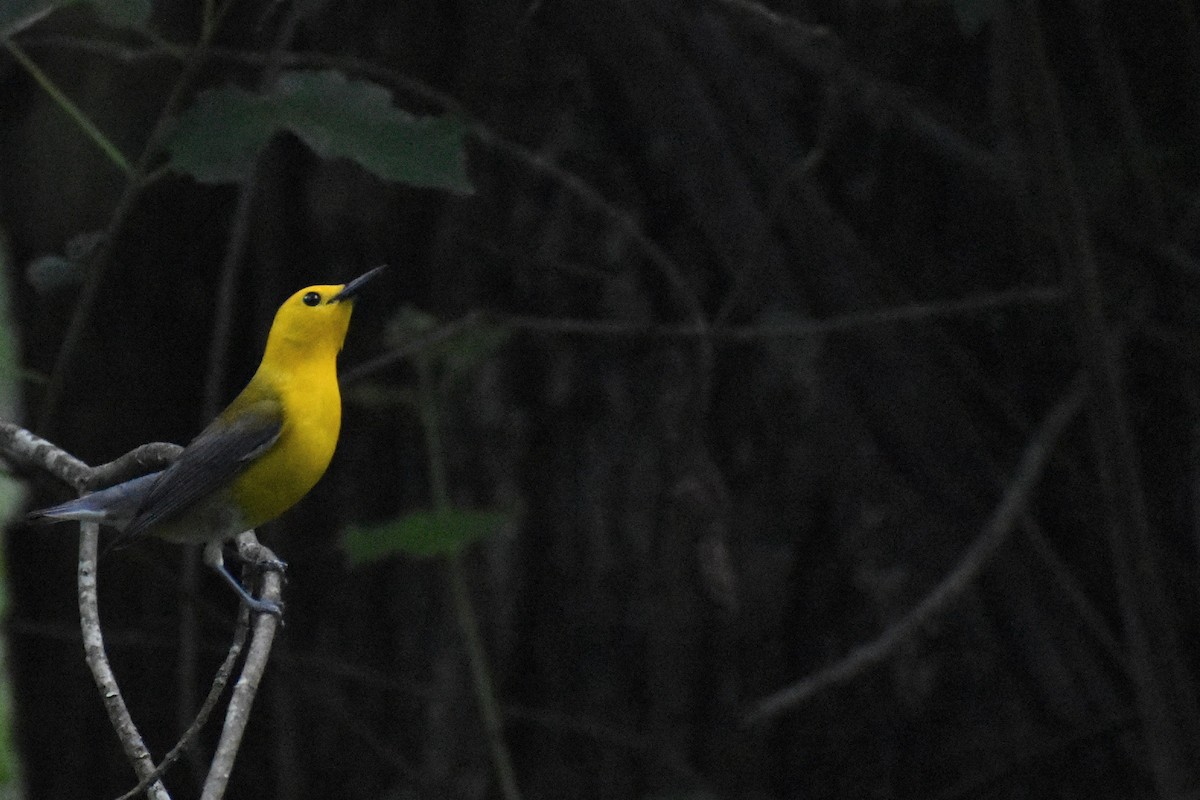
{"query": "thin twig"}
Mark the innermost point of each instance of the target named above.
(915, 312)
(1005, 516)
(481, 677)
(89, 128)
(816, 51)
(412, 349)
(239, 233)
(30, 19)
(1093, 621)
(238, 713)
(139, 461)
(220, 680)
(101, 257)
(1164, 686)
(464, 612)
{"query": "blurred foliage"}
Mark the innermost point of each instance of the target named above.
(972, 15)
(16, 14)
(12, 497)
(421, 533)
(220, 136)
(447, 362)
(51, 272)
(453, 358)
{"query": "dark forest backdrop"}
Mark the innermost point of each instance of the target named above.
(838, 335)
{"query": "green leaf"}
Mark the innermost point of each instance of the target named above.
(421, 533)
(219, 137)
(16, 15)
(122, 13)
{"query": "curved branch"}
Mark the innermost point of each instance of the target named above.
(1008, 512)
(22, 447)
(220, 680)
(137, 462)
(97, 661)
(238, 713)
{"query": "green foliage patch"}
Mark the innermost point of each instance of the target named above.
(219, 137)
(422, 533)
(15, 15)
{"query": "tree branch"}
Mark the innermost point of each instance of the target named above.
(220, 680)
(620, 329)
(137, 462)
(238, 713)
(1008, 512)
(20, 446)
(102, 674)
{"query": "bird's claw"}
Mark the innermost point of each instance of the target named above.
(271, 565)
(261, 606)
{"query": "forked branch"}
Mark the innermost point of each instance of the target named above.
(25, 450)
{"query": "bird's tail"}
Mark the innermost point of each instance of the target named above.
(113, 506)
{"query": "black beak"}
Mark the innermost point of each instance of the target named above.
(352, 288)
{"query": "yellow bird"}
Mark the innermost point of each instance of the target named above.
(258, 457)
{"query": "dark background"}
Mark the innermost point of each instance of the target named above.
(712, 500)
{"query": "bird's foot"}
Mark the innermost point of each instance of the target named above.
(271, 565)
(260, 606)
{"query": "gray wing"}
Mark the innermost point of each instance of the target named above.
(211, 461)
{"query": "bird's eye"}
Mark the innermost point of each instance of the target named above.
(312, 299)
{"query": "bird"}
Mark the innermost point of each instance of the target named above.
(257, 458)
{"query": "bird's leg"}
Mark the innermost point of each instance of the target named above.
(215, 559)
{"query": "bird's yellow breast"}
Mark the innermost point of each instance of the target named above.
(312, 417)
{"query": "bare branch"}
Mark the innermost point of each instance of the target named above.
(409, 349)
(23, 447)
(137, 462)
(1164, 686)
(97, 661)
(1008, 512)
(817, 51)
(914, 312)
(238, 713)
(220, 680)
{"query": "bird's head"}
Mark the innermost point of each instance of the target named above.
(315, 319)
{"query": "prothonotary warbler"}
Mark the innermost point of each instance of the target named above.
(258, 457)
